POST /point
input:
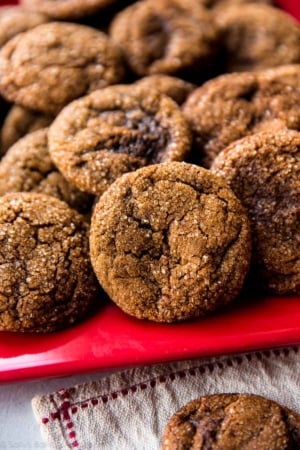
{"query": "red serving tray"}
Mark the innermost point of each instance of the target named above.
(112, 340)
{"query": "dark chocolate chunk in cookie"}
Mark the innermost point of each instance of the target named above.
(170, 242)
(46, 281)
(264, 172)
(54, 63)
(232, 422)
(176, 37)
(115, 130)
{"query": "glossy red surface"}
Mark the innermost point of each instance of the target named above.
(110, 339)
(291, 6)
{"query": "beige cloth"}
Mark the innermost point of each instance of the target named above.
(128, 410)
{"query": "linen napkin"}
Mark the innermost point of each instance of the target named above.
(129, 410)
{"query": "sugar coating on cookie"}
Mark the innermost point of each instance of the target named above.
(232, 422)
(174, 87)
(115, 130)
(176, 37)
(47, 281)
(54, 63)
(170, 242)
(264, 172)
(235, 105)
(27, 167)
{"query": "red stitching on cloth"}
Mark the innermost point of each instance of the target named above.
(63, 411)
(64, 414)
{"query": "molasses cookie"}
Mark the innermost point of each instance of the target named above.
(170, 242)
(256, 37)
(115, 130)
(19, 122)
(174, 87)
(232, 422)
(27, 167)
(15, 20)
(232, 106)
(176, 37)
(68, 9)
(47, 281)
(54, 63)
(264, 172)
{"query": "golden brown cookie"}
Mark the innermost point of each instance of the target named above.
(19, 122)
(54, 63)
(257, 36)
(15, 20)
(174, 37)
(27, 167)
(232, 422)
(68, 9)
(232, 106)
(47, 281)
(174, 87)
(115, 130)
(264, 172)
(170, 242)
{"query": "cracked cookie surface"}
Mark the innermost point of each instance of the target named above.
(232, 106)
(264, 172)
(232, 422)
(47, 281)
(115, 130)
(54, 63)
(27, 167)
(170, 242)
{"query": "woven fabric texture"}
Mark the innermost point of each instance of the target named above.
(129, 410)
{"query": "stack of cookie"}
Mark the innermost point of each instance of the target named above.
(174, 126)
